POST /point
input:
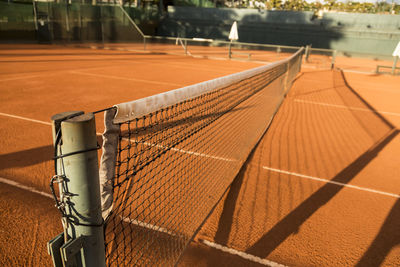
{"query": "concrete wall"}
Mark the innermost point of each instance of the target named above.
(351, 33)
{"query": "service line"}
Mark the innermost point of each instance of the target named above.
(332, 182)
(123, 78)
(346, 107)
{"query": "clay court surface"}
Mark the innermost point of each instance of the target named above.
(322, 187)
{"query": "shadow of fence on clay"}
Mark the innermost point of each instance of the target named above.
(27, 157)
(292, 222)
(387, 238)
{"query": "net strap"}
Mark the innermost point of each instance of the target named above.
(108, 159)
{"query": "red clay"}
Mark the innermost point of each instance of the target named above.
(339, 128)
(301, 222)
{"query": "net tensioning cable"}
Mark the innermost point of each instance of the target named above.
(168, 159)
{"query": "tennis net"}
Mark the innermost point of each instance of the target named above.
(168, 159)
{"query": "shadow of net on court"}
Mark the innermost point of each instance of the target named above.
(323, 129)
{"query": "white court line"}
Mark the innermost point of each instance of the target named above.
(201, 154)
(46, 73)
(242, 254)
(159, 229)
(147, 225)
(332, 182)
(19, 78)
(182, 151)
(231, 160)
(359, 71)
(24, 118)
(32, 120)
(346, 107)
(28, 188)
(122, 78)
(225, 249)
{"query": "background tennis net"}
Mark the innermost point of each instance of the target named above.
(168, 159)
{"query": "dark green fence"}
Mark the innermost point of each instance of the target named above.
(49, 22)
(351, 33)
(17, 21)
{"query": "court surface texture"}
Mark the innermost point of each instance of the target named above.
(322, 187)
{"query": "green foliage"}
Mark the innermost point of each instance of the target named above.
(299, 5)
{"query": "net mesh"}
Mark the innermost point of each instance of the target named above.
(173, 165)
(316, 57)
(218, 48)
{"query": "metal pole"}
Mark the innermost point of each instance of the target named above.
(79, 147)
(35, 14)
(333, 59)
(50, 21)
(185, 44)
(131, 20)
(67, 20)
(394, 64)
(230, 49)
(101, 26)
(308, 48)
(285, 81)
(56, 126)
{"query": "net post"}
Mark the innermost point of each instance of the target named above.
(285, 81)
(82, 173)
(307, 53)
(54, 245)
(394, 64)
(83, 243)
(58, 118)
(301, 60)
(56, 128)
(333, 59)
